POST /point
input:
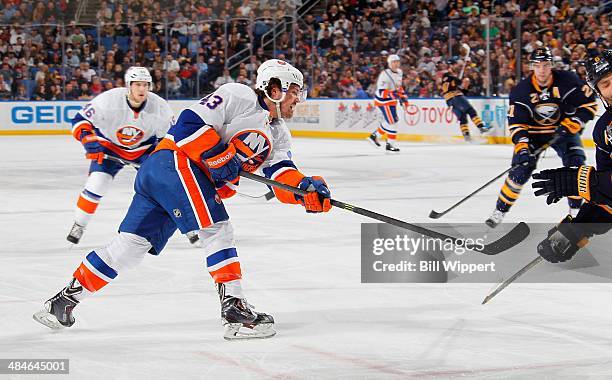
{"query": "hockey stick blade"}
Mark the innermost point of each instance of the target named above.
(515, 236)
(269, 195)
(435, 215)
(509, 240)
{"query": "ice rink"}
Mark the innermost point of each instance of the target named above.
(161, 320)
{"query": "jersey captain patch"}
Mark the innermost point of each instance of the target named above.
(129, 135)
(252, 148)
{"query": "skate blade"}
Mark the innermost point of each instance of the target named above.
(45, 318)
(491, 223)
(238, 331)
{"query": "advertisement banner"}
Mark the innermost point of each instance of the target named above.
(421, 120)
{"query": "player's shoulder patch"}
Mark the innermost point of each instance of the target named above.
(253, 147)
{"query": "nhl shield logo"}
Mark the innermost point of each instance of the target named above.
(177, 213)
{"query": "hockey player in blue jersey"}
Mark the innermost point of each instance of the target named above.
(594, 185)
(451, 90)
(547, 104)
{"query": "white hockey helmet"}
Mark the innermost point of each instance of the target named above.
(285, 73)
(393, 58)
(138, 74)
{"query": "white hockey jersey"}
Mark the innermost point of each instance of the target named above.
(233, 113)
(119, 128)
(389, 87)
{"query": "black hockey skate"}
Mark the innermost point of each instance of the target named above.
(391, 148)
(484, 128)
(374, 139)
(58, 309)
(241, 321)
(75, 234)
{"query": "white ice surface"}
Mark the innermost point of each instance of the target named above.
(161, 320)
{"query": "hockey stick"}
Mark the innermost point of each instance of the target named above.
(465, 57)
(518, 274)
(512, 238)
(436, 215)
(269, 195)
(122, 161)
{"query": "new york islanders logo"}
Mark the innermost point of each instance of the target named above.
(129, 135)
(252, 148)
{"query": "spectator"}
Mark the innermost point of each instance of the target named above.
(22, 93)
(71, 93)
(71, 59)
(85, 92)
(171, 64)
(87, 72)
(223, 79)
(174, 85)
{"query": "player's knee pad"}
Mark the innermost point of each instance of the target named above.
(124, 251)
(98, 183)
(217, 237)
(520, 174)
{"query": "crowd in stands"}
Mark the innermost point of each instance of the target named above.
(194, 46)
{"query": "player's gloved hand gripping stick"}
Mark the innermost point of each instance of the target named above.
(515, 236)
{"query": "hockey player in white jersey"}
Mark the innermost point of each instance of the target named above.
(182, 184)
(125, 123)
(389, 91)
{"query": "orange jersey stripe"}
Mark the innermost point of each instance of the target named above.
(378, 103)
(291, 178)
(227, 273)
(125, 154)
(193, 190)
(87, 205)
(88, 279)
(80, 127)
(194, 148)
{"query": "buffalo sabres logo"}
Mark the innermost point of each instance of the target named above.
(547, 114)
(252, 148)
(129, 135)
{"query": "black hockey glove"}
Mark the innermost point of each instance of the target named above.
(523, 155)
(563, 182)
(563, 241)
